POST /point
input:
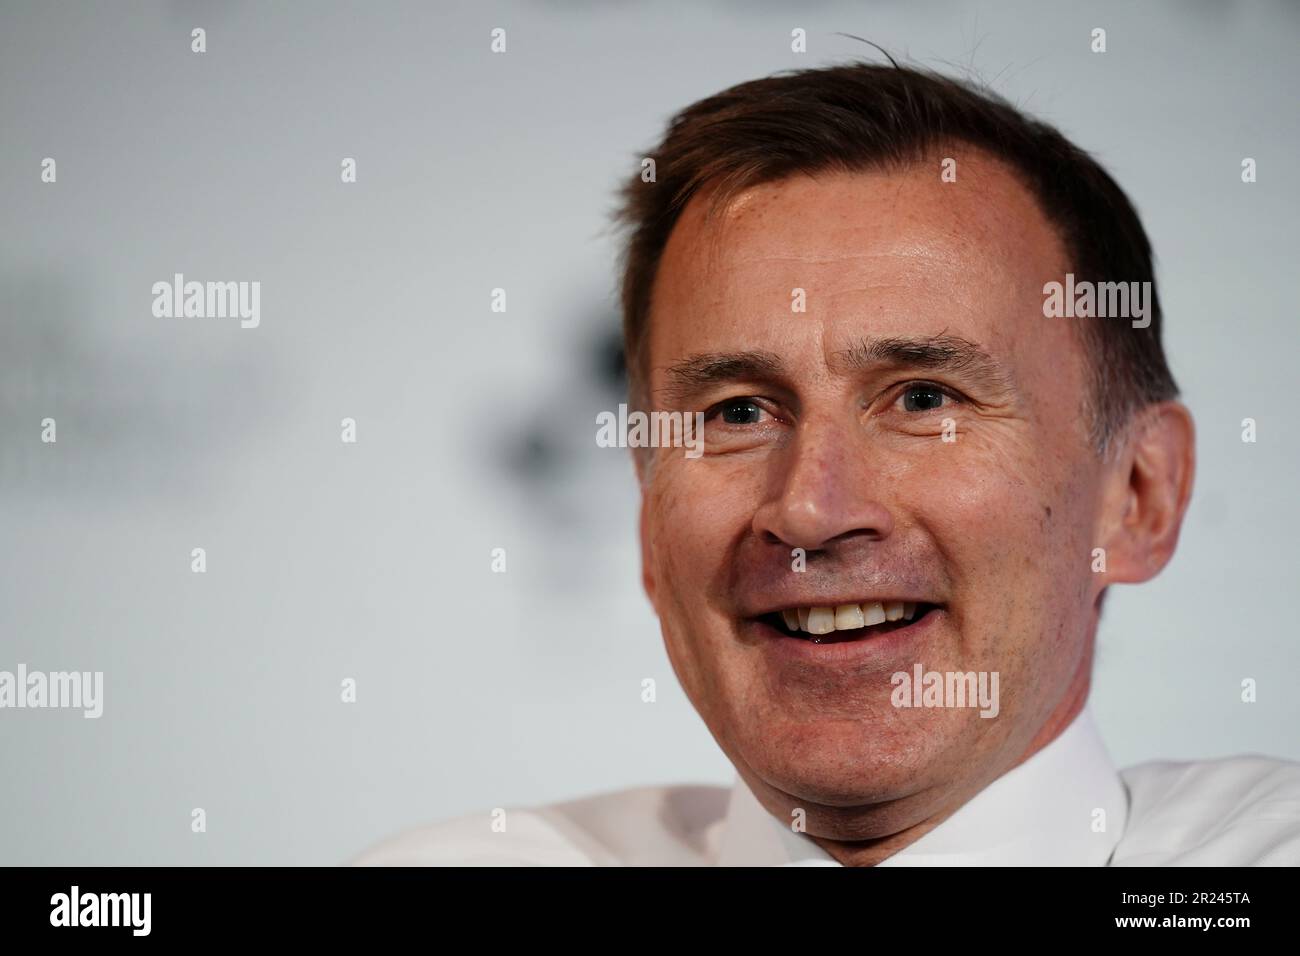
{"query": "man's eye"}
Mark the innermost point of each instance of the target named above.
(738, 411)
(923, 398)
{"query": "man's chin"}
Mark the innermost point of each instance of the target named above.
(845, 807)
(836, 765)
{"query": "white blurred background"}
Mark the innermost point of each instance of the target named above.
(475, 429)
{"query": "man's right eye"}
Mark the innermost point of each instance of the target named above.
(737, 411)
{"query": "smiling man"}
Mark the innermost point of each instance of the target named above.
(880, 583)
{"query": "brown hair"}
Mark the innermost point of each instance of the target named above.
(862, 116)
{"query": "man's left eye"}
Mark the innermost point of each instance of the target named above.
(923, 398)
(739, 411)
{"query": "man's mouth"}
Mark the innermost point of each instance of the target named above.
(846, 622)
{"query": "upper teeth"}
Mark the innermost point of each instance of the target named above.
(846, 617)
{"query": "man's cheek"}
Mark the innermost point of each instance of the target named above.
(1015, 532)
(692, 498)
(988, 530)
(684, 532)
(975, 513)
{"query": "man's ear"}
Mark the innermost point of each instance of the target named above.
(1149, 484)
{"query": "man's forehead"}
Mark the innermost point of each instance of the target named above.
(887, 253)
(851, 224)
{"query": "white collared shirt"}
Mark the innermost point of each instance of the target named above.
(1064, 806)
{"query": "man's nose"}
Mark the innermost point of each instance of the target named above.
(827, 489)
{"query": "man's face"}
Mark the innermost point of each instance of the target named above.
(917, 434)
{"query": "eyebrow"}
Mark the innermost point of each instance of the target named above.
(942, 353)
(699, 372)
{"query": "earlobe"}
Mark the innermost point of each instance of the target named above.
(1156, 468)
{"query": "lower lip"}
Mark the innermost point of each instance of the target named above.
(890, 646)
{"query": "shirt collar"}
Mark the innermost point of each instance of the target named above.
(1064, 806)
